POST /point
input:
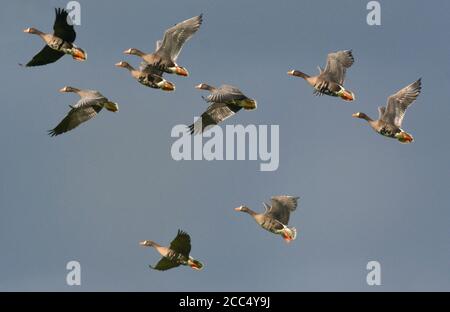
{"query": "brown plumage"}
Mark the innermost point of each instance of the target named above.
(391, 117)
(331, 80)
(90, 104)
(176, 254)
(58, 43)
(148, 76)
(165, 56)
(225, 102)
(276, 217)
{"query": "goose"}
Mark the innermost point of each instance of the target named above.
(276, 216)
(90, 104)
(148, 76)
(391, 117)
(225, 102)
(176, 254)
(167, 50)
(58, 43)
(331, 80)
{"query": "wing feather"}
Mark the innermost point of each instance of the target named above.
(176, 36)
(400, 101)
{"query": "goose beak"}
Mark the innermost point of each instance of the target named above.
(291, 73)
(127, 51)
(64, 89)
(142, 243)
(28, 30)
(356, 115)
(199, 86)
(119, 64)
(238, 208)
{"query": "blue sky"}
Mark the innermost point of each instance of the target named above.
(92, 194)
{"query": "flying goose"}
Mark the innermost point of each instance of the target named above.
(58, 43)
(174, 255)
(331, 80)
(390, 117)
(226, 101)
(167, 50)
(90, 104)
(276, 217)
(148, 76)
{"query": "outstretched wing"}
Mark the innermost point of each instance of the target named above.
(337, 64)
(151, 70)
(74, 118)
(61, 28)
(281, 207)
(181, 243)
(46, 56)
(165, 264)
(215, 113)
(381, 111)
(225, 94)
(400, 101)
(176, 36)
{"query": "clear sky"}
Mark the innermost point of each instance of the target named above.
(91, 195)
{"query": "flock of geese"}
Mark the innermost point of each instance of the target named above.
(224, 102)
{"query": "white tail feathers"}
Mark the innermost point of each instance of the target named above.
(291, 232)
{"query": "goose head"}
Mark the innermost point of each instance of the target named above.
(203, 86)
(68, 89)
(31, 30)
(134, 51)
(147, 243)
(360, 115)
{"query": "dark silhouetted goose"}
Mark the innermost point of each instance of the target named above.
(276, 217)
(167, 50)
(174, 255)
(90, 104)
(226, 101)
(148, 76)
(58, 43)
(331, 80)
(390, 117)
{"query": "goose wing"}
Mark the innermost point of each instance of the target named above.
(181, 243)
(61, 28)
(214, 114)
(75, 117)
(150, 69)
(400, 101)
(46, 56)
(281, 207)
(165, 264)
(225, 94)
(337, 64)
(176, 36)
